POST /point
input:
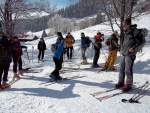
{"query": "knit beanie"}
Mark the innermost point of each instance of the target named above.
(127, 21)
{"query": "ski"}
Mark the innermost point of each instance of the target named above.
(118, 93)
(64, 79)
(33, 71)
(65, 71)
(101, 92)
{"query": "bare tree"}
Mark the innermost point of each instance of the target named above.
(13, 10)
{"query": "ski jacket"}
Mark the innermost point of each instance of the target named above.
(8, 57)
(58, 41)
(17, 48)
(85, 41)
(41, 45)
(98, 40)
(128, 42)
(59, 51)
(70, 40)
(112, 42)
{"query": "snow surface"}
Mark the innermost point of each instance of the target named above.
(73, 96)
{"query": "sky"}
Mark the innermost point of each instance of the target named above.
(59, 3)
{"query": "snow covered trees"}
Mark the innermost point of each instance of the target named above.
(57, 23)
(13, 10)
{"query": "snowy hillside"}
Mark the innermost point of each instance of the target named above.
(73, 96)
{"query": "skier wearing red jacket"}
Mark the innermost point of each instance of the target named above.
(97, 46)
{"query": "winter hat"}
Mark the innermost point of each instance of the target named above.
(4, 37)
(15, 37)
(98, 33)
(127, 21)
(82, 33)
(59, 33)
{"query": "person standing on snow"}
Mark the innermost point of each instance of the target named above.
(5, 60)
(58, 61)
(69, 40)
(128, 50)
(97, 46)
(17, 60)
(85, 43)
(112, 43)
(41, 48)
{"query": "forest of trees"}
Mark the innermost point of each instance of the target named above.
(65, 19)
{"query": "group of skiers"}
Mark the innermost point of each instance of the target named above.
(129, 46)
(128, 49)
(10, 50)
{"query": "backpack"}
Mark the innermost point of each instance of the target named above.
(3, 48)
(88, 41)
(140, 38)
(53, 48)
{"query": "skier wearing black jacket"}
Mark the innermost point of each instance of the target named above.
(41, 48)
(5, 60)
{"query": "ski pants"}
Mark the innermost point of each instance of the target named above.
(126, 69)
(112, 56)
(17, 61)
(69, 54)
(83, 50)
(58, 66)
(41, 54)
(4, 68)
(96, 56)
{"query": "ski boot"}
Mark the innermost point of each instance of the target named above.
(52, 78)
(126, 88)
(119, 85)
(20, 72)
(16, 76)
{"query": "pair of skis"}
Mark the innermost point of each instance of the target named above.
(115, 94)
(58, 81)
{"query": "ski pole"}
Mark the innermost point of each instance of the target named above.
(139, 97)
(138, 91)
(103, 53)
(63, 66)
(28, 57)
(32, 53)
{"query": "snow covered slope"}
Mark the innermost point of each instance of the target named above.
(73, 96)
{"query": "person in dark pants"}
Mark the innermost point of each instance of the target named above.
(17, 60)
(5, 60)
(69, 40)
(58, 61)
(97, 46)
(41, 48)
(129, 48)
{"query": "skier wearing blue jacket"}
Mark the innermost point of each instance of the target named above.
(58, 59)
(85, 43)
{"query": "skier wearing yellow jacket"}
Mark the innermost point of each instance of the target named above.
(69, 40)
(112, 42)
